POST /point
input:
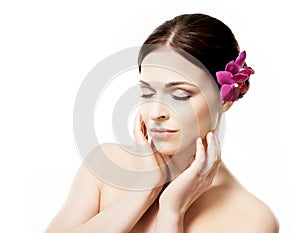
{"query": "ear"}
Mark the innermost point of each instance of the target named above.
(226, 105)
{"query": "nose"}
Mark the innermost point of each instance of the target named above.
(159, 112)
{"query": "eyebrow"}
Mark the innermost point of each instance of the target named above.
(171, 84)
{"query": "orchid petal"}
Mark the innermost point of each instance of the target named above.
(247, 71)
(229, 93)
(232, 67)
(243, 88)
(233, 79)
(240, 60)
(224, 77)
(239, 78)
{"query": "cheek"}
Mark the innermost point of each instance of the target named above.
(190, 125)
(204, 118)
(195, 121)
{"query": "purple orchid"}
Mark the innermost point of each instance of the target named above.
(233, 78)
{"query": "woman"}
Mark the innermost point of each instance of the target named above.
(191, 73)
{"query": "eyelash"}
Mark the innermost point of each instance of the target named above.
(173, 96)
(147, 96)
(181, 98)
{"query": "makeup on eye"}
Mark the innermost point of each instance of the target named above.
(147, 92)
(177, 93)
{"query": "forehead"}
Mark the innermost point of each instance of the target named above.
(166, 65)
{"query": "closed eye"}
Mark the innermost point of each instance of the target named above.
(147, 96)
(180, 94)
(181, 98)
(147, 92)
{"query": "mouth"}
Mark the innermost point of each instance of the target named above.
(162, 133)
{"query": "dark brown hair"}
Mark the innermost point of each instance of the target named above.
(203, 37)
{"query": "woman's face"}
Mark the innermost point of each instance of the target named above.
(181, 101)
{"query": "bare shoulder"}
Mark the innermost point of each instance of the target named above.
(254, 213)
(107, 158)
(108, 149)
(109, 152)
(107, 155)
(231, 209)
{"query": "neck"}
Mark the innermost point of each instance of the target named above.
(223, 176)
(178, 162)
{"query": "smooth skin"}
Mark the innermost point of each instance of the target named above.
(204, 197)
(221, 206)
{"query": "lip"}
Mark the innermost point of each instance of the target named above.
(162, 133)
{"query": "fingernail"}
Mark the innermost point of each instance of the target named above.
(199, 141)
(209, 135)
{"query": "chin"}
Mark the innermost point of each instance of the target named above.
(165, 148)
(170, 148)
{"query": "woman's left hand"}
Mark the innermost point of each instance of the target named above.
(194, 180)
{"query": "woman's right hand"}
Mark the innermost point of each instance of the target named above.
(147, 158)
(126, 211)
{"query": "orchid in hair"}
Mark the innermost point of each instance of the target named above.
(233, 78)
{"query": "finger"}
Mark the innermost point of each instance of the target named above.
(200, 157)
(212, 153)
(139, 130)
(218, 144)
(191, 161)
(158, 156)
(212, 149)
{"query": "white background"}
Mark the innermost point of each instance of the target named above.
(48, 47)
